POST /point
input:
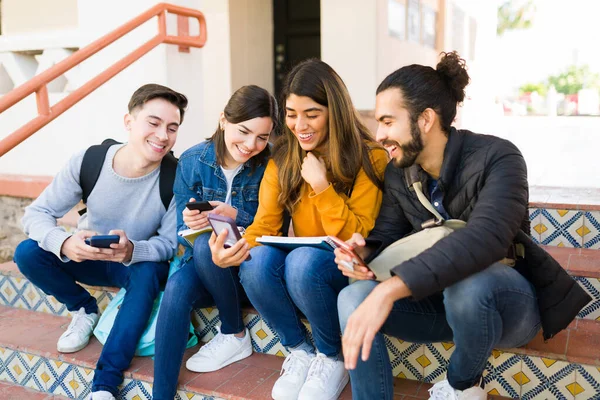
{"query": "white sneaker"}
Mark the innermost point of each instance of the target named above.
(443, 391)
(102, 395)
(221, 351)
(326, 379)
(77, 335)
(293, 374)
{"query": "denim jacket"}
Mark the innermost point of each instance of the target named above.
(199, 176)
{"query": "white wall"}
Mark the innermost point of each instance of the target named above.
(203, 75)
(251, 26)
(348, 44)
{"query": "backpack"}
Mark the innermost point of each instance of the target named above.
(93, 159)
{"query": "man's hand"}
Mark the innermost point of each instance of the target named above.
(194, 219)
(230, 257)
(75, 248)
(343, 259)
(224, 209)
(122, 251)
(368, 318)
(314, 172)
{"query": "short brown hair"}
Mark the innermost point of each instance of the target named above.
(153, 91)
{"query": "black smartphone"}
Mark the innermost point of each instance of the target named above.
(102, 241)
(199, 205)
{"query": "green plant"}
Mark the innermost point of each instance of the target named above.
(574, 78)
(514, 15)
(541, 88)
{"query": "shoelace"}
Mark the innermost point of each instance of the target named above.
(212, 346)
(292, 363)
(320, 368)
(442, 391)
(75, 326)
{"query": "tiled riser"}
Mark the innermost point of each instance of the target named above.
(73, 381)
(565, 228)
(506, 374)
(20, 293)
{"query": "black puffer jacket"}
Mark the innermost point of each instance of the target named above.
(484, 181)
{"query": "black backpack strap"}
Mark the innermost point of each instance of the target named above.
(168, 168)
(91, 166)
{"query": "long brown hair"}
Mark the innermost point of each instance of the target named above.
(349, 141)
(248, 102)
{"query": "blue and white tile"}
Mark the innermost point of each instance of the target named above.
(206, 321)
(35, 368)
(592, 287)
(503, 374)
(562, 228)
(587, 382)
(547, 379)
(535, 217)
(407, 358)
(60, 378)
(128, 390)
(439, 356)
(591, 240)
(6, 356)
(84, 378)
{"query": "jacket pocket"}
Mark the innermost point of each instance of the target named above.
(207, 194)
(250, 193)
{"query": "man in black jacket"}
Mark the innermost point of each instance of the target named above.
(461, 289)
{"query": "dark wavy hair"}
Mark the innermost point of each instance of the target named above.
(440, 89)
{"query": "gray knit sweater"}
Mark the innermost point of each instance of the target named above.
(131, 204)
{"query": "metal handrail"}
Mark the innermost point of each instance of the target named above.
(38, 84)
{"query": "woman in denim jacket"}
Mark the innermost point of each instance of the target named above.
(226, 171)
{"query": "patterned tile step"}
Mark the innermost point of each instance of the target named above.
(28, 357)
(9, 391)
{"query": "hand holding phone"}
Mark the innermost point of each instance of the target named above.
(195, 214)
(349, 262)
(228, 248)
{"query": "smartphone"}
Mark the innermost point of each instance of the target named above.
(102, 241)
(199, 205)
(356, 259)
(220, 222)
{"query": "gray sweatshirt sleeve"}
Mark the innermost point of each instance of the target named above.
(63, 193)
(161, 247)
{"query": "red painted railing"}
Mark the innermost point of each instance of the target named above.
(37, 84)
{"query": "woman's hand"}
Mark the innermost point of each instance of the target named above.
(314, 172)
(224, 209)
(195, 219)
(230, 257)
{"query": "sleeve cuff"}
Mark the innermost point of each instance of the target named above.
(53, 242)
(141, 252)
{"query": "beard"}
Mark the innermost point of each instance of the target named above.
(410, 150)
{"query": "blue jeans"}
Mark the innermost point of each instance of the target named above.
(494, 308)
(141, 280)
(199, 283)
(307, 278)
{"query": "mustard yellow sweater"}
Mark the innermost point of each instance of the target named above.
(320, 214)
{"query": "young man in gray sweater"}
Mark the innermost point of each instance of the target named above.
(125, 201)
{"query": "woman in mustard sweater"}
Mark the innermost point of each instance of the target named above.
(326, 172)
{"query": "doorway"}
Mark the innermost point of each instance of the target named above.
(296, 35)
